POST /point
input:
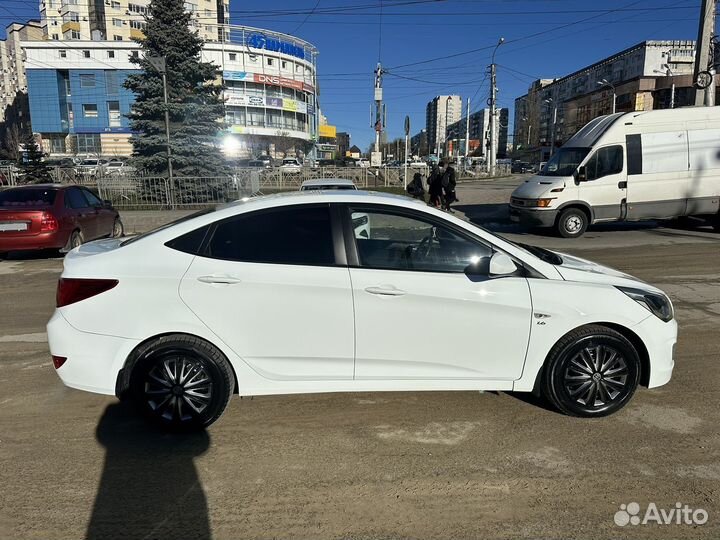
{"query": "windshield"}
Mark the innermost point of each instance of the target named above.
(565, 162)
(89, 162)
(14, 198)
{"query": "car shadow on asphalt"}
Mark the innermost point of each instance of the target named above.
(149, 486)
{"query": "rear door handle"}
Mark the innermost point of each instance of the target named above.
(226, 280)
(385, 291)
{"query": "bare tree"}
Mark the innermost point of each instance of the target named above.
(11, 142)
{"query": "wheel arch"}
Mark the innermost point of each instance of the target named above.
(122, 384)
(580, 205)
(626, 332)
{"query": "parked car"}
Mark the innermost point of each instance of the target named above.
(628, 167)
(278, 295)
(291, 165)
(54, 216)
(90, 167)
(327, 184)
(117, 168)
(258, 164)
(363, 162)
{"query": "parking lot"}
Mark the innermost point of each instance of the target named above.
(374, 465)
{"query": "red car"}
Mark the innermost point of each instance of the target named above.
(54, 216)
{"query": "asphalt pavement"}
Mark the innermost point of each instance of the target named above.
(373, 465)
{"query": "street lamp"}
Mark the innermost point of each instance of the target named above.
(668, 73)
(551, 102)
(605, 82)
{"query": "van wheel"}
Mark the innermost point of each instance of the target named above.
(572, 223)
(181, 383)
(592, 371)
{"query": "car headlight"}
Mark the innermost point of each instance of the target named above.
(657, 304)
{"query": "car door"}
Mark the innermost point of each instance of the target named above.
(418, 314)
(104, 216)
(605, 185)
(83, 215)
(272, 285)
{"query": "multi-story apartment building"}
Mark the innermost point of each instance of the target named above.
(121, 20)
(441, 111)
(12, 63)
(480, 131)
(650, 75)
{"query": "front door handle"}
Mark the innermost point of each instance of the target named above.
(385, 290)
(226, 280)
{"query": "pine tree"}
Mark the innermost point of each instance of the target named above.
(194, 98)
(35, 170)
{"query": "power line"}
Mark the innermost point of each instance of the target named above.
(317, 3)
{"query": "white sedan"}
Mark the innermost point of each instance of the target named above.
(282, 295)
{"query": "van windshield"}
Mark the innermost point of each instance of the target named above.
(565, 162)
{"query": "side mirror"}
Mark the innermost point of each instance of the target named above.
(501, 265)
(581, 174)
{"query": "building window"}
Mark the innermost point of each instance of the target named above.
(115, 4)
(57, 145)
(253, 58)
(55, 37)
(87, 80)
(74, 34)
(135, 8)
(138, 25)
(134, 54)
(270, 61)
(284, 64)
(86, 54)
(90, 110)
(63, 53)
(114, 113)
(232, 56)
(117, 22)
(111, 82)
(117, 38)
(111, 54)
(88, 143)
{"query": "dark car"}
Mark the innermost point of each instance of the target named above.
(53, 216)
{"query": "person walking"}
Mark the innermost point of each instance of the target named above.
(415, 188)
(435, 185)
(448, 183)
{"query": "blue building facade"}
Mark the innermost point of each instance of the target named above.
(77, 110)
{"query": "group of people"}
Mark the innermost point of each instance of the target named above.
(441, 186)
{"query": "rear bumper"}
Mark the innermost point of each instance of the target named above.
(659, 338)
(533, 217)
(49, 240)
(93, 360)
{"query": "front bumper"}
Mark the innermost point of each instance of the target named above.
(93, 360)
(659, 338)
(534, 217)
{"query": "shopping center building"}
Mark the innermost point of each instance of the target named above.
(79, 105)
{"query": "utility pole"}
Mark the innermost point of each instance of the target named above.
(378, 105)
(704, 74)
(405, 161)
(467, 134)
(447, 125)
(493, 112)
(158, 63)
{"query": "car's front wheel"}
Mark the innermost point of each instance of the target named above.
(592, 371)
(572, 223)
(118, 229)
(182, 383)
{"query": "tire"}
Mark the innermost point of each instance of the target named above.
(578, 382)
(157, 389)
(716, 223)
(572, 223)
(76, 239)
(118, 229)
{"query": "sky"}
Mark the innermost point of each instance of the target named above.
(439, 47)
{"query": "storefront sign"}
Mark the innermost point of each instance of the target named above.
(278, 81)
(328, 131)
(238, 76)
(260, 41)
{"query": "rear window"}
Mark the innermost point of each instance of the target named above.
(22, 197)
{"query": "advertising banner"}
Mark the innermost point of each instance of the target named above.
(277, 81)
(238, 76)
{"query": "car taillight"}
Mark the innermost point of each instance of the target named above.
(71, 290)
(48, 223)
(58, 361)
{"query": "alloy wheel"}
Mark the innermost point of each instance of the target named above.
(178, 388)
(596, 376)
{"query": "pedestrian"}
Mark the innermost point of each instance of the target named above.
(448, 183)
(415, 188)
(435, 185)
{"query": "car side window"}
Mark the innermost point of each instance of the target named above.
(75, 199)
(394, 241)
(290, 235)
(604, 162)
(92, 198)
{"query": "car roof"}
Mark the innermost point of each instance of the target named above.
(39, 186)
(329, 182)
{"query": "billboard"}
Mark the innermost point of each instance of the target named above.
(328, 131)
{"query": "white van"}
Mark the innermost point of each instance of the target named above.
(628, 166)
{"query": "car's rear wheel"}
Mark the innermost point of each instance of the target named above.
(182, 383)
(571, 223)
(592, 371)
(118, 229)
(76, 239)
